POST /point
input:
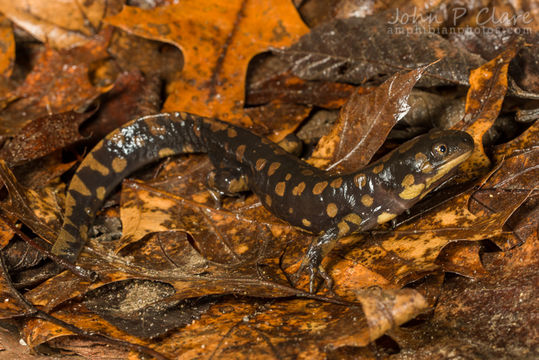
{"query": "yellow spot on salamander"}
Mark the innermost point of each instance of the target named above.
(119, 164)
(367, 200)
(83, 231)
(79, 186)
(69, 207)
(196, 130)
(240, 151)
(423, 162)
(100, 192)
(268, 200)
(217, 126)
(188, 148)
(411, 192)
(385, 217)
(93, 164)
(360, 180)
(353, 218)
(343, 228)
(336, 183)
(331, 210)
(408, 145)
(426, 167)
(307, 172)
(288, 176)
(378, 168)
(319, 187)
(298, 189)
(408, 180)
(445, 168)
(273, 167)
(237, 185)
(260, 163)
(290, 210)
(280, 188)
(62, 243)
(166, 152)
(306, 222)
(231, 133)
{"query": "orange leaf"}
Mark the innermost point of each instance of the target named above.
(218, 39)
(7, 44)
(488, 84)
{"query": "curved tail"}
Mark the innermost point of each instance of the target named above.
(123, 151)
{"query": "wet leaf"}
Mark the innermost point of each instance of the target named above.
(462, 258)
(43, 136)
(405, 254)
(11, 306)
(140, 307)
(23, 204)
(5, 234)
(132, 96)
(278, 119)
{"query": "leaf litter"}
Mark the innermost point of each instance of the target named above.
(195, 276)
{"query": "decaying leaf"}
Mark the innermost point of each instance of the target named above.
(291, 89)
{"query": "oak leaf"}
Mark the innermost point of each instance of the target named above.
(217, 39)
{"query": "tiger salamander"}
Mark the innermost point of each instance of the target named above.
(331, 205)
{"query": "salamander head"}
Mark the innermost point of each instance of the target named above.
(423, 163)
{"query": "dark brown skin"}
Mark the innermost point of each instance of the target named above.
(330, 205)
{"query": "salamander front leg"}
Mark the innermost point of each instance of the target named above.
(312, 260)
(226, 182)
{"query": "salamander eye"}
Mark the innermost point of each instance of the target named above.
(440, 149)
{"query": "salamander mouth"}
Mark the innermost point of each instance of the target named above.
(446, 167)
